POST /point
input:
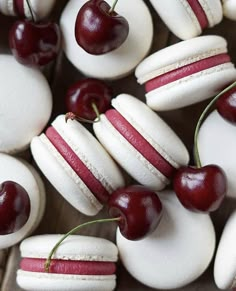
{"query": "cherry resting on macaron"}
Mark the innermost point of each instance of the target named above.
(99, 29)
(34, 44)
(136, 209)
(14, 207)
(84, 94)
(204, 188)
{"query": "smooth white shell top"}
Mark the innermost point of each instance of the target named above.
(25, 104)
(229, 9)
(75, 247)
(40, 8)
(123, 60)
(12, 169)
(225, 261)
(176, 253)
(179, 55)
(217, 144)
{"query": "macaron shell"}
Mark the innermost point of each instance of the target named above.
(229, 9)
(191, 89)
(6, 7)
(56, 282)
(225, 260)
(67, 183)
(90, 152)
(213, 10)
(182, 236)
(216, 145)
(14, 170)
(75, 247)
(153, 128)
(26, 104)
(120, 62)
(179, 55)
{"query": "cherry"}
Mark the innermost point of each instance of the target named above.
(34, 44)
(226, 105)
(99, 29)
(200, 189)
(83, 94)
(139, 208)
(14, 207)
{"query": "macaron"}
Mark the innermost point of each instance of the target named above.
(40, 9)
(188, 18)
(19, 171)
(123, 60)
(186, 73)
(229, 9)
(26, 104)
(216, 145)
(225, 260)
(141, 142)
(80, 263)
(176, 253)
(76, 165)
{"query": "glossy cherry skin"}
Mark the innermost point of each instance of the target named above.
(14, 207)
(140, 210)
(34, 44)
(200, 189)
(97, 31)
(81, 95)
(226, 105)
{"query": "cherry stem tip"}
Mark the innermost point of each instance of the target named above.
(113, 6)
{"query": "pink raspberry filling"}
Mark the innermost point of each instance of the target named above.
(185, 71)
(199, 12)
(19, 7)
(139, 143)
(69, 267)
(77, 165)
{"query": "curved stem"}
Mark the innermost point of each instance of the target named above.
(113, 6)
(48, 261)
(196, 151)
(72, 116)
(95, 109)
(31, 10)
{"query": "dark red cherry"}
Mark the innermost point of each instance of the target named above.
(226, 105)
(14, 207)
(84, 93)
(34, 44)
(200, 189)
(140, 210)
(97, 30)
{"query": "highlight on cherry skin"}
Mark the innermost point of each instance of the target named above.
(14, 207)
(88, 97)
(99, 29)
(226, 105)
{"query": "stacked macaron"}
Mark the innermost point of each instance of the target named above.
(40, 9)
(80, 263)
(229, 9)
(186, 73)
(188, 18)
(141, 142)
(77, 165)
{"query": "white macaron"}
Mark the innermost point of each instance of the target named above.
(141, 142)
(80, 263)
(186, 73)
(76, 165)
(123, 60)
(229, 9)
(26, 104)
(40, 9)
(187, 18)
(216, 145)
(176, 253)
(225, 260)
(19, 171)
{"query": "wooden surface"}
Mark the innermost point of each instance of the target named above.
(60, 216)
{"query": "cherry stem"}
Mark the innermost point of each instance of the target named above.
(49, 259)
(31, 10)
(113, 7)
(95, 109)
(202, 117)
